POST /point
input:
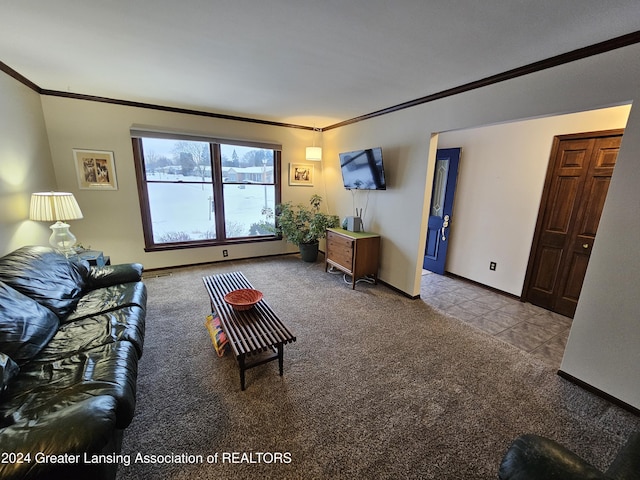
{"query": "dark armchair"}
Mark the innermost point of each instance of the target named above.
(531, 457)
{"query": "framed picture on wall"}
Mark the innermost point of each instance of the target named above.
(301, 174)
(96, 169)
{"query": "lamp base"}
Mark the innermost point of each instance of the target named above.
(62, 239)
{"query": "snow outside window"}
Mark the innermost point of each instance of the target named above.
(198, 192)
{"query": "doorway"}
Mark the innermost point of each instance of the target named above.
(575, 189)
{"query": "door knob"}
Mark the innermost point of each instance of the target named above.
(585, 245)
(445, 224)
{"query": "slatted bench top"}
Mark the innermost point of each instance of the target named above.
(250, 332)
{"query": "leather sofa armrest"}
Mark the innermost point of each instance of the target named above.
(84, 427)
(114, 274)
(531, 457)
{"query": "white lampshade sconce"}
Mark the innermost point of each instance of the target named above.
(56, 207)
(314, 154)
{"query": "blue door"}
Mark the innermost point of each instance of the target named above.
(444, 186)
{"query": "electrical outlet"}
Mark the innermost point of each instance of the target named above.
(492, 266)
(225, 253)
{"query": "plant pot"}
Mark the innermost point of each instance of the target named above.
(309, 251)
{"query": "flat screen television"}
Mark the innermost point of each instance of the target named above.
(363, 169)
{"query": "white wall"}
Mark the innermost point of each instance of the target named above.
(603, 349)
(398, 213)
(112, 221)
(25, 164)
(500, 183)
(394, 213)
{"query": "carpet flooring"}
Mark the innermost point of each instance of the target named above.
(377, 386)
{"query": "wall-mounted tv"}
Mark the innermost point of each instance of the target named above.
(363, 169)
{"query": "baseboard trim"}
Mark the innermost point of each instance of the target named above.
(486, 287)
(396, 289)
(161, 271)
(156, 270)
(599, 393)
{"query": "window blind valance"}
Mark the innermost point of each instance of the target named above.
(145, 132)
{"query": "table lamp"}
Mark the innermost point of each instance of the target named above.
(56, 206)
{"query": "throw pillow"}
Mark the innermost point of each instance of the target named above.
(25, 325)
(46, 276)
(218, 337)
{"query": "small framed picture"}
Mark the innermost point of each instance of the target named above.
(96, 169)
(301, 174)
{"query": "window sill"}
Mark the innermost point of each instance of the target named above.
(212, 243)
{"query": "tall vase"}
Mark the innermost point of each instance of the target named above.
(309, 251)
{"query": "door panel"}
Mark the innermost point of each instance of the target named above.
(576, 187)
(549, 266)
(564, 200)
(607, 154)
(595, 203)
(567, 297)
(442, 194)
(577, 270)
(573, 155)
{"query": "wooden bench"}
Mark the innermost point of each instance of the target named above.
(252, 332)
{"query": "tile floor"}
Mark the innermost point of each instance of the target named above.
(533, 329)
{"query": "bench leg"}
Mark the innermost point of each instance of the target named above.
(281, 358)
(242, 370)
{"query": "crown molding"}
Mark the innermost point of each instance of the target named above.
(564, 58)
(579, 54)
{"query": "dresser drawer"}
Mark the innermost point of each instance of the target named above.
(342, 258)
(336, 240)
(340, 250)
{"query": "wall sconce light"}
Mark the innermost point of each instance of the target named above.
(314, 154)
(56, 206)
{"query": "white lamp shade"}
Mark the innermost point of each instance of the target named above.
(314, 154)
(54, 206)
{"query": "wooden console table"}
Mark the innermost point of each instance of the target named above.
(250, 332)
(354, 253)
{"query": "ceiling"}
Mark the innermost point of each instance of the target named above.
(312, 63)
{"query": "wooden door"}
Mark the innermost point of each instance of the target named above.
(577, 181)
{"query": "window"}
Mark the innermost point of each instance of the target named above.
(196, 192)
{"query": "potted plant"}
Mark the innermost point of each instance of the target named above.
(304, 225)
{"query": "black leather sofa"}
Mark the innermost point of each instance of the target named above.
(71, 336)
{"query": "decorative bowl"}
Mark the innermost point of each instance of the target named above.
(243, 299)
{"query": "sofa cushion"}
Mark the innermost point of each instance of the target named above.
(46, 276)
(109, 298)
(127, 323)
(44, 387)
(25, 325)
(8, 370)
